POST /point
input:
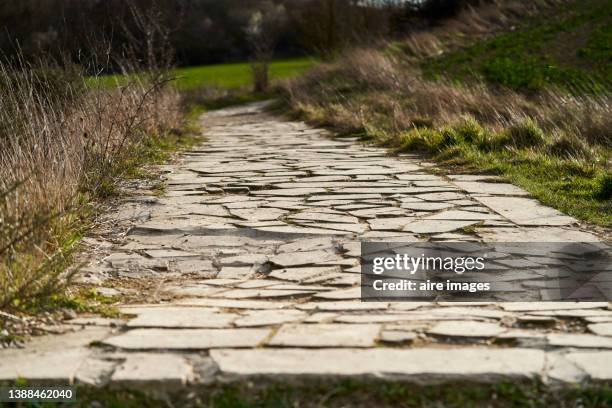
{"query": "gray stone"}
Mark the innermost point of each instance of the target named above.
(253, 318)
(325, 335)
(234, 304)
(595, 364)
(525, 211)
(187, 339)
(436, 226)
(422, 365)
(462, 328)
(175, 317)
(490, 188)
(397, 336)
(578, 340)
(165, 370)
(303, 258)
(341, 294)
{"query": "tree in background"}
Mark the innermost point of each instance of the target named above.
(262, 32)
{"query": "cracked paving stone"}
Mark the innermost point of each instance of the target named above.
(462, 328)
(595, 364)
(423, 365)
(436, 226)
(325, 335)
(260, 293)
(397, 336)
(490, 188)
(341, 294)
(578, 340)
(164, 370)
(254, 318)
(305, 273)
(303, 258)
(234, 303)
(525, 211)
(601, 329)
(187, 339)
(179, 317)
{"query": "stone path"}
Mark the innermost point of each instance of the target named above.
(248, 267)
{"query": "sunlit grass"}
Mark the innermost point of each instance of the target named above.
(230, 76)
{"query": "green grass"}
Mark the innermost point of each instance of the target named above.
(229, 76)
(570, 48)
(574, 187)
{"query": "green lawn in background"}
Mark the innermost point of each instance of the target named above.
(229, 76)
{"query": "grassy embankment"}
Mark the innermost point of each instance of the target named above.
(522, 91)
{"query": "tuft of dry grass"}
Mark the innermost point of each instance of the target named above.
(63, 144)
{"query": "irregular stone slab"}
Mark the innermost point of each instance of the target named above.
(426, 206)
(234, 304)
(307, 244)
(306, 273)
(602, 329)
(169, 253)
(326, 335)
(525, 211)
(290, 229)
(346, 197)
(303, 258)
(595, 364)
(462, 215)
(236, 272)
(422, 365)
(441, 196)
(354, 228)
(538, 306)
(343, 306)
(540, 234)
(578, 340)
(260, 293)
(174, 317)
(436, 226)
(390, 224)
(193, 290)
(379, 212)
(165, 370)
(320, 217)
(397, 336)
(254, 318)
(289, 192)
(341, 294)
(461, 328)
(259, 214)
(95, 371)
(58, 365)
(187, 339)
(475, 187)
